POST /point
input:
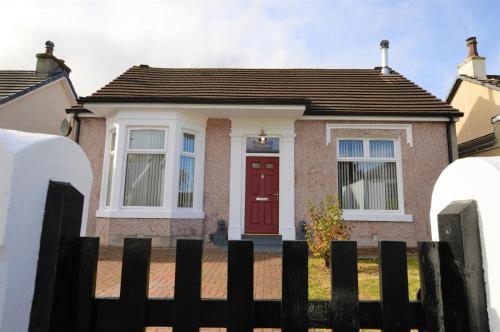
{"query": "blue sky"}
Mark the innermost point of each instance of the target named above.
(101, 39)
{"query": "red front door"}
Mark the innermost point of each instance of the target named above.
(262, 188)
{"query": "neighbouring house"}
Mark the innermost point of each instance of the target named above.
(477, 95)
(35, 100)
(175, 150)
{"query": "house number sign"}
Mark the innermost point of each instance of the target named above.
(271, 145)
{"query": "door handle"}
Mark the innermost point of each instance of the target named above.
(276, 194)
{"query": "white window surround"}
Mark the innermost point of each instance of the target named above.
(378, 215)
(175, 125)
(384, 126)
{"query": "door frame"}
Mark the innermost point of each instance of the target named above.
(284, 129)
(246, 231)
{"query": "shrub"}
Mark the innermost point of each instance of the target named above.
(325, 225)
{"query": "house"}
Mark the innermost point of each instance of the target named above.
(35, 100)
(175, 150)
(477, 95)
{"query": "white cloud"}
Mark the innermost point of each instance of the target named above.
(100, 40)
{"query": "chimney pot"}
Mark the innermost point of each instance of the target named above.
(384, 45)
(49, 47)
(471, 43)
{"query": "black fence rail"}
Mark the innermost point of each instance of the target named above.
(452, 285)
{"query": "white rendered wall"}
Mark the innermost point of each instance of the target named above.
(27, 163)
(477, 179)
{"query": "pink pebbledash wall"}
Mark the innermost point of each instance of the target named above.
(315, 175)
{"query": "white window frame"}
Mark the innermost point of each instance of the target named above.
(128, 150)
(196, 176)
(376, 215)
(111, 151)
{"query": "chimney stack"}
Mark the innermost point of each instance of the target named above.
(474, 65)
(384, 45)
(47, 64)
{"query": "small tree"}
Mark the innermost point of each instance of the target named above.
(325, 225)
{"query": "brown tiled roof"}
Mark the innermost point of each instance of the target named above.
(14, 83)
(324, 91)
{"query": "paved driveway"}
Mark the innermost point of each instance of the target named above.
(267, 275)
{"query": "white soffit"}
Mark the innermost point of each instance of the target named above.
(222, 111)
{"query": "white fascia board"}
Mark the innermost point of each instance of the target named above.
(378, 118)
(224, 111)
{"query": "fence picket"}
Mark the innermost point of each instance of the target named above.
(344, 268)
(85, 288)
(240, 305)
(187, 292)
(394, 286)
(134, 284)
(294, 286)
(430, 286)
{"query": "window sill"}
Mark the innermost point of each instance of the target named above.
(360, 216)
(149, 214)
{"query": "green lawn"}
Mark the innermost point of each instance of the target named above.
(319, 279)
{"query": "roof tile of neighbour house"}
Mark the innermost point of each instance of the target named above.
(491, 81)
(14, 83)
(324, 91)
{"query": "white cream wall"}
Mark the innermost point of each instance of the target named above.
(40, 111)
(479, 104)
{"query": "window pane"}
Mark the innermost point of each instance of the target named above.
(110, 179)
(144, 180)
(186, 182)
(350, 148)
(368, 185)
(188, 143)
(381, 149)
(147, 139)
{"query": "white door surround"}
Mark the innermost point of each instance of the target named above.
(284, 129)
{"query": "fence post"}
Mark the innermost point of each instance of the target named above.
(462, 273)
(53, 308)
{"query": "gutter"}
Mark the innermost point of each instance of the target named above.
(77, 129)
(451, 139)
(75, 111)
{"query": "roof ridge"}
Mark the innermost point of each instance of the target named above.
(247, 68)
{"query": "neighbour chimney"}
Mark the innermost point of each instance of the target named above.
(384, 44)
(474, 65)
(47, 64)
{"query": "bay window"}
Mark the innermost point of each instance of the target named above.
(153, 167)
(145, 168)
(369, 178)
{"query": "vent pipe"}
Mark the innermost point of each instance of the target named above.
(384, 45)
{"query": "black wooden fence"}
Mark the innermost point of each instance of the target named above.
(452, 283)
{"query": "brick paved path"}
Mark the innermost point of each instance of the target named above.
(267, 275)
